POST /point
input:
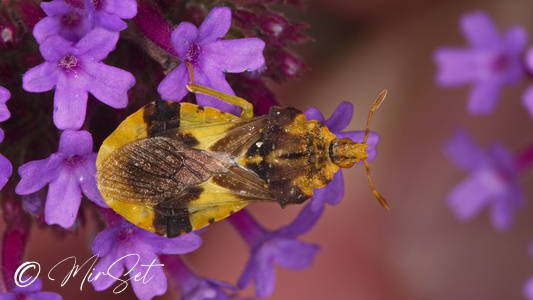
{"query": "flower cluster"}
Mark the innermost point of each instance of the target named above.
(78, 51)
(489, 62)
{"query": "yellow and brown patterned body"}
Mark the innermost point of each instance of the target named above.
(175, 167)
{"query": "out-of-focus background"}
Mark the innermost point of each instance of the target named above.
(418, 249)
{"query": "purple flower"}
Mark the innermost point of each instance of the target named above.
(527, 98)
(210, 57)
(528, 289)
(73, 20)
(68, 172)
(5, 166)
(126, 246)
(339, 120)
(192, 286)
(108, 14)
(30, 292)
(493, 180)
(4, 112)
(76, 70)
(281, 247)
(490, 61)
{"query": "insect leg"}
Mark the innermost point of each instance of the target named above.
(247, 107)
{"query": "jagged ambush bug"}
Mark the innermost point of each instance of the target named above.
(171, 168)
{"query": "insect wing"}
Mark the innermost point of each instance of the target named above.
(167, 187)
(196, 126)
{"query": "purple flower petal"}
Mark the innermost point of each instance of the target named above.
(246, 55)
(125, 9)
(108, 13)
(528, 289)
(215, 25)
(297, 255)
(183, 37)
(5, 170)
(173, 85)
(479, 30)
(341, 117)
(34, 175)
(517, 39)
(70, 103)
(109, 22)
(483, 97)
(191, 286)
(4, 112)
(134, 247)
(96, 45)
(75, 142)
(456, 66)
(155, 283)
(31, 292)
(313, 113)
(527, 101)
(331, 193)
(306, 219)
(217, 81)
(110, 85)
(86, 174)
(63, 200)
(493, 181)
(468, 197)
(56, 8)
(265, 278)
(462, 151)
(33, 203)
(55, 47)
(40, 78)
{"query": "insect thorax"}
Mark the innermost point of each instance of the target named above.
(292, 156)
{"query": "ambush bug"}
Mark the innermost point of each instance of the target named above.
(171, 168)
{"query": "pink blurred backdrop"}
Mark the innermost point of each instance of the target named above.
(418, 249)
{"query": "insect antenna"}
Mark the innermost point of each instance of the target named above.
(375, 106)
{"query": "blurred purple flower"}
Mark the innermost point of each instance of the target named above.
(68, 172)
(30, 292)
(210, 57)
(76, 70)
(527, 98)
(339, 120)
(4, 112)
(34, 203)
(193, 287)
(73, 19)
(490, 61)
(280, 246)
(528, 287)
(5, 166)
(126, 246)
(493, 180)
